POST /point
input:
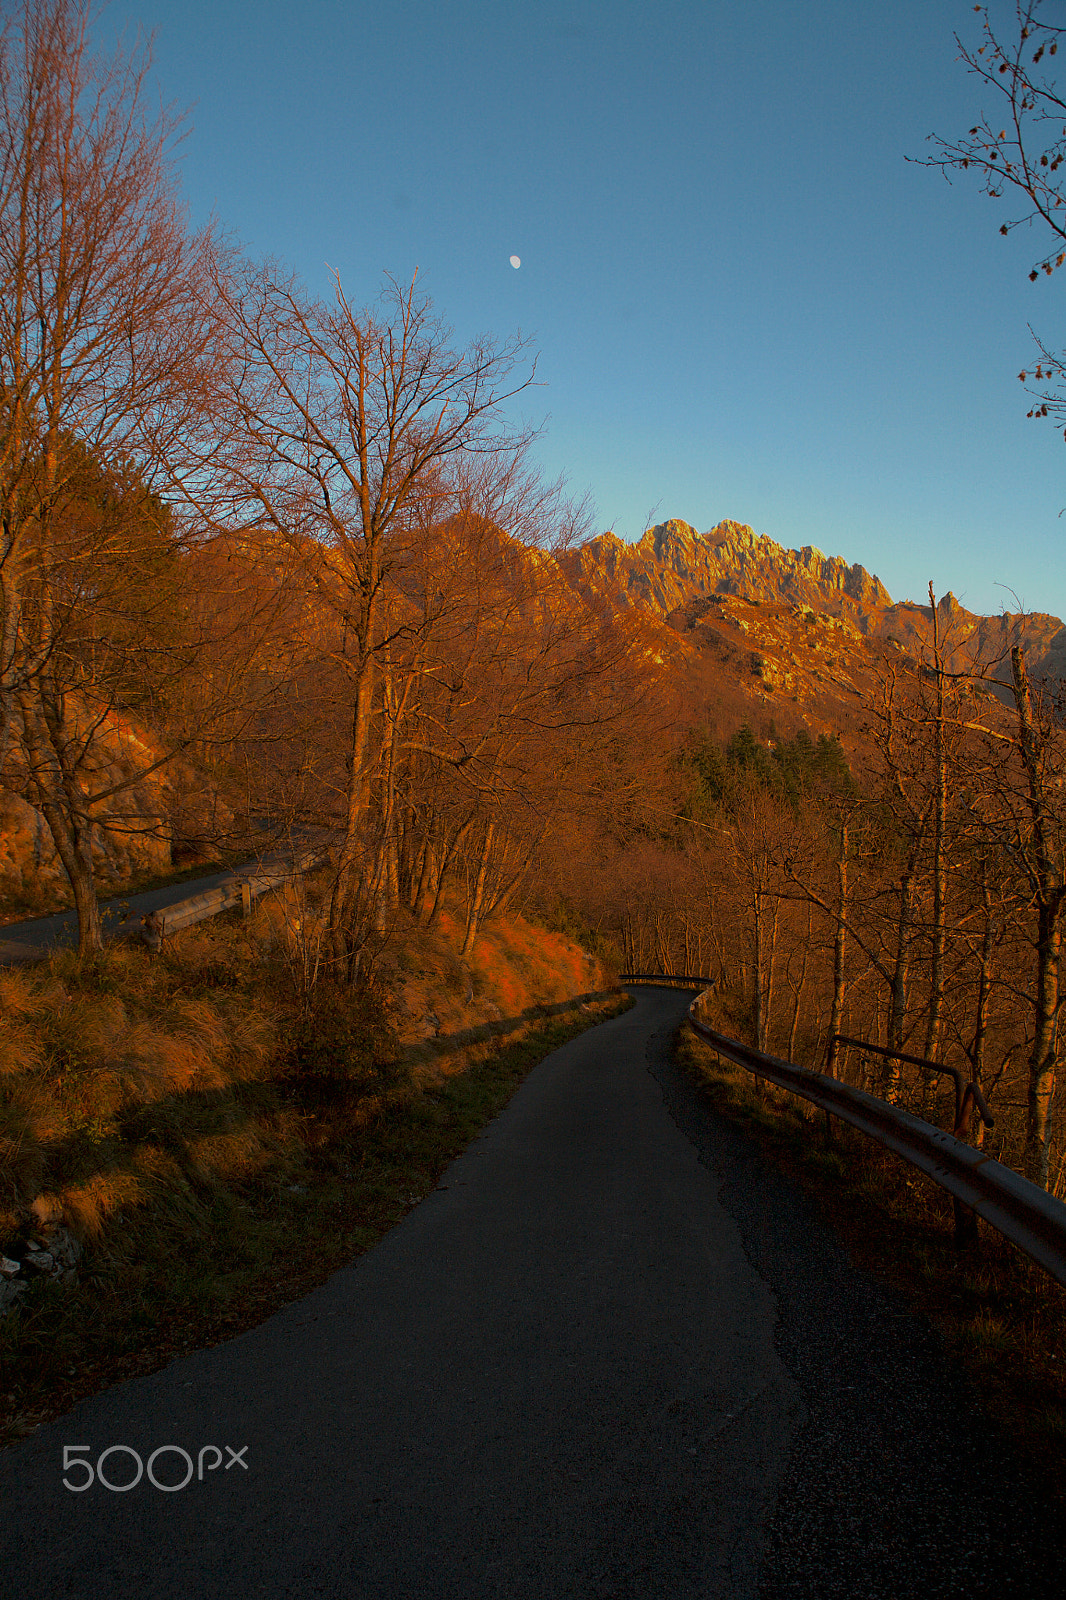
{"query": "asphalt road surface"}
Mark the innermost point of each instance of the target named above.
(611, 1355)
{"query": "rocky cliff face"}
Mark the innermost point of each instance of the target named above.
(673, 565)
(967, 638)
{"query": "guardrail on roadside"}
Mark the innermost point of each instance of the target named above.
(968, 1095)
(668, 979)
(1021, 1211)
(237, 891)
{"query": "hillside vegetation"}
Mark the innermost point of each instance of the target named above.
(144, 1074)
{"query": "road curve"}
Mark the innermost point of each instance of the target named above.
(611, 1355)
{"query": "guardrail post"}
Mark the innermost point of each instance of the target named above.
(246, 898)
(965, 1224)
(965, 1217)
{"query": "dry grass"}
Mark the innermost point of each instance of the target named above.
(132, 1041)
(218, 1149)
(999, 1313)
(448, 1013)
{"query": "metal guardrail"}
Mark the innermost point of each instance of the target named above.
(237, 891)
(667, 979)
(1021, 1211)
(968, 1096)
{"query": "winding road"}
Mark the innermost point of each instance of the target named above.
(611, 1355)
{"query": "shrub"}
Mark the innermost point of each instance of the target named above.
(349, 1036)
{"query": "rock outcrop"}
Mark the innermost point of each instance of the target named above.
(136, 829)
(47, 1251)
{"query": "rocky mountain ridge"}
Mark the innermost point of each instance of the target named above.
(673, 566)
(673, 563)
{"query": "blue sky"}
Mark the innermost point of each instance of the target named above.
(746, 302)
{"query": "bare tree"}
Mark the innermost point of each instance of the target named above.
(1041, 851)
(521, 683)
(998, 817)
(1018, 146)
(103, 339)
(346, 418)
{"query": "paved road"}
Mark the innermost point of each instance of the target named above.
(610, 1356)
(29, 941)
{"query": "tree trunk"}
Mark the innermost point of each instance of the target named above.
(770, 970)
(345, 888)
(897, 1015)
(445, 856)
(473, 919)
(836, 1014)
(72, 833)
(797, 993)
(760, 1022)
(421, 883)
(984, 995)
(438, 893)
(1042, 1057)
(936, 975)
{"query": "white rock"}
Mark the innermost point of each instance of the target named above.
(64, 1249)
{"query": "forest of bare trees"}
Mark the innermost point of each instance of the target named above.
(296, 541)
(915, 904)
(302, 544)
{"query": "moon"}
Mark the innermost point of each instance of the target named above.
(516, 262)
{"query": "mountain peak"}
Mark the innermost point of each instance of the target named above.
(673, 567)
(673, 563)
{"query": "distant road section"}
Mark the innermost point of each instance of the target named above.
(30, 941)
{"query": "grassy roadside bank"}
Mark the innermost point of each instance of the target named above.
(998, 1313)
(218, 1152)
